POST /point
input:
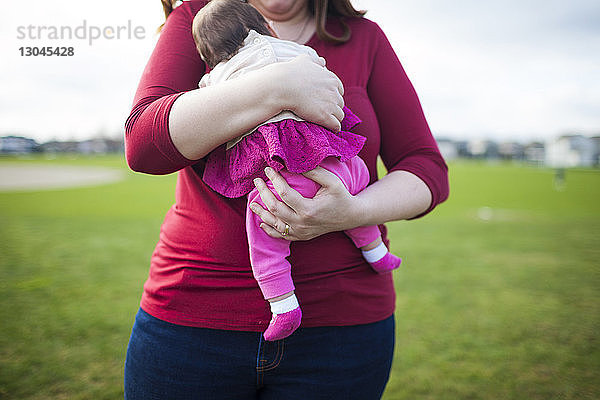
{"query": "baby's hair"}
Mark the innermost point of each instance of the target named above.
(220, 27)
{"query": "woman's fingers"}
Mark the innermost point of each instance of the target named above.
(316, 93)
(278, 209)
(340, 101)
(323, 177)
(339, 84)
(275, 233)
(338, 113)
(271, 224)
(333, 123)
(263, 214)
(288, 195)
(280, 218)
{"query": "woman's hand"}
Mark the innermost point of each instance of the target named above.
(330, 210)
(310, 91)
(396, 196)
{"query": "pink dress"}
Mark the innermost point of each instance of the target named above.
(297, 146)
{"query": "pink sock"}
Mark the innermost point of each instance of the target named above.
(381, 259)
(283, 325)
(286, 318)
(387, 263)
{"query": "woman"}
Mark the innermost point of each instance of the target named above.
(198, 332)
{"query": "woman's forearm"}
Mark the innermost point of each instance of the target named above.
(202, 119)
(398, 195)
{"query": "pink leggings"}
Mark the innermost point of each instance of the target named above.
(268, 255)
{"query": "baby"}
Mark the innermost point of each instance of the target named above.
(233, 38)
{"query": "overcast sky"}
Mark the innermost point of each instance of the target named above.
(517, 69)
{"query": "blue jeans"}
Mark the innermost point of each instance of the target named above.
(167, 361)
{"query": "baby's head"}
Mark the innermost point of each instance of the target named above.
(220, 27)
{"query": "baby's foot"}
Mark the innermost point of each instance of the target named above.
(283, 325)
(387, 263)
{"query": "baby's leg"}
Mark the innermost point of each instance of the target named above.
(355, 176)
(368, 239)
(273, 273)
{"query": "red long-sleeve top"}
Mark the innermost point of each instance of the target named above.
(200, 271)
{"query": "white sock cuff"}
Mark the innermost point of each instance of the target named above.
(285, 305)
(375, 254)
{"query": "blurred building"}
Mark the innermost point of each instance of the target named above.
(90, 146)
(596, 144)
(571, 151)
(511, 151)
(485, 149)
(535, 153)
(101, 146)
(448, 148)
(56, 146)
(17, 145)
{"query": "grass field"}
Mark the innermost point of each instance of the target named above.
(498, 296)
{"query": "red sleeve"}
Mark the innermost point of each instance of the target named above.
(174, 68)
(406, 141)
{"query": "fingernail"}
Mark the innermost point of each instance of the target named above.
(255, 181)
(268, 171)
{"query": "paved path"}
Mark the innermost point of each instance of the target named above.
(24, 176)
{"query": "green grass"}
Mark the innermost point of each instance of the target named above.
(72, 265)
(505, 307)
(498, 295)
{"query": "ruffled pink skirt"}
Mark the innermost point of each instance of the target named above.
(297, 146)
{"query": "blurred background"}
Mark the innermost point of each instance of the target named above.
(499, 295)
(511, 71)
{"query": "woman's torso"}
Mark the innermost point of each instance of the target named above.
(200, 271)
